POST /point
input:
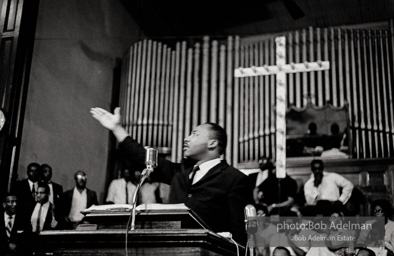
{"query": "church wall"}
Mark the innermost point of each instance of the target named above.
(77, 46)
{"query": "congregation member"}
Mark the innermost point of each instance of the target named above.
(383, 208)
(26, 188)
(150, 190)
(56, 190)
(77, 199)
(43, 215)
(276, 194)
(210, 187)
(326, 186)
(121, 191)
(257, 178)
(15, 228)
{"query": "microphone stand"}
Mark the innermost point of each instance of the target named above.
(145, 174)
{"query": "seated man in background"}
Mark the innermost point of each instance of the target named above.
(276, 194)
(326, 186)
(257, 178)
(56, 190)
(77, 199)
(150, 190)
(121, 191)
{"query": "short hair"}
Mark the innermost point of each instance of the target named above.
(334, 129)
(312, 127)
(79, 172)
(220, 135)
(9, 194)
(369, 251)
(34, 164)
(44, 185)
(260, 207)
(46, 166)
(282, 249)
(384, 204)
(317, 161)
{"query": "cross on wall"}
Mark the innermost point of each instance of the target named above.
(280, 70)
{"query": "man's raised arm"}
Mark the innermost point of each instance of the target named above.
(110, 121)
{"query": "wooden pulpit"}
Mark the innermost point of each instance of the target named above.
(162, 230)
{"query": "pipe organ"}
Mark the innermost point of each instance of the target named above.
(166, 92)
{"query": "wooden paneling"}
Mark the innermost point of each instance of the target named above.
(16, 46)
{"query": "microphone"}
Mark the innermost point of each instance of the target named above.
(151, 157)
(250, 218)
(150, 160)
(251, 226)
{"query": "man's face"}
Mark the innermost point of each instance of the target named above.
(80, 180)
(197, 144)
(378, 211)
(10, 205)
(317, 169)
(46, 174)
(32, 173)
(41, 195)
(127, 175)
(263, 164)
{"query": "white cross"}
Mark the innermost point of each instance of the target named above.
(280, 70)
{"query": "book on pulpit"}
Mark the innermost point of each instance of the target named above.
(148, 216)
(117, 208)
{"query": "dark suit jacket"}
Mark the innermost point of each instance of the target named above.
(252, 184)
(91, 199)
(219, 198)
(20, 233)
(57, 194)
(23, 193)
(52, 213)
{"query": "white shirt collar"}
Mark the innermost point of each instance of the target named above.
(206, 166)
(83, 191)
(31, 184)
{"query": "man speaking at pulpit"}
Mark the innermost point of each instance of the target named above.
(215, 191)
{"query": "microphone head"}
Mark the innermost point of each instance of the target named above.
(250, 211)
(151, 157)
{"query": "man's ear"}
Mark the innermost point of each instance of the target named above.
(212, 144)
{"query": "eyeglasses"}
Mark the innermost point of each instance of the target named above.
(40, 193)
(81, 177)
(377, 210)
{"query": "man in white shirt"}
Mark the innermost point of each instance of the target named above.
(121, 191)
(77, 199)
(43, 214)
(326, 186)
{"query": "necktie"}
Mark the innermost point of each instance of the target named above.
(33, 190)
(38, 225)
(127, 193)
(194, 171)
(9, 226)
